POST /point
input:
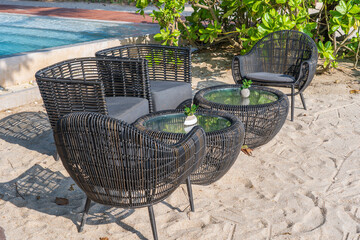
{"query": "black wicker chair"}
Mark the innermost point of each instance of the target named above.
(115, 164)
(115, 87)
(285, 58)
(169, 72)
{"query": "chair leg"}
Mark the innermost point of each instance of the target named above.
(303, 100)
(57, 157)
(152, 221)
(189, 189)
(292, 102)
(86, 210)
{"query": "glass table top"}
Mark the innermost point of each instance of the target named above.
(174, 123)
(232, 96)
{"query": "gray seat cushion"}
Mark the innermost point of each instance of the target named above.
(169, 94)
(270, 77)
(127, 109)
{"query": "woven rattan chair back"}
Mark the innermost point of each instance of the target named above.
(164, 62)
(116, 164)
(79, 85)
(287, 52)
(281, 52)
(67, 87)
(125, 78)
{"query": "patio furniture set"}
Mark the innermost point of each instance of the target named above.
(118, 118)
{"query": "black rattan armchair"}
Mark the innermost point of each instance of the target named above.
(115, 87)
(285, 58)
(169, 71)
(115, 164)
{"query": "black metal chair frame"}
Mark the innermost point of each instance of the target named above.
(164, 63)
(284, 56)
(118, 165)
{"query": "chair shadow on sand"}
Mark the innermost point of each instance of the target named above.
(31, 130)
(38, 187)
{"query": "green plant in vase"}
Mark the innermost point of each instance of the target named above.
(245, 92)
(190, 113)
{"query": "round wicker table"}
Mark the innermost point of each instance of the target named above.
(224, 138)
(263, 113)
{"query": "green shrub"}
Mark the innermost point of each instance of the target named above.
(241, 23)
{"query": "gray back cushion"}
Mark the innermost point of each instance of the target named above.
(127, 109)
(169, 94)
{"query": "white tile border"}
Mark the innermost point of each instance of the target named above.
(20, 69)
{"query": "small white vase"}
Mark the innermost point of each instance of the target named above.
(245, 101)
(188, 128)
(190, 120)
(245, 92)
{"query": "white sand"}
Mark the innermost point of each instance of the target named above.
(304, 184)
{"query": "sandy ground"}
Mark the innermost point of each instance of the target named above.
(304, 184)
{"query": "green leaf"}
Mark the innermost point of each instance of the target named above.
(294, 3)
(308, 28)
(336, 20)
(273, 12)
(336, 13)
(229, 13)
(342, 8)
(329, 56)
(355, 9)
(262, 30)
(256, 6)
(320, 46)
(351, 24)
(142, 3)
(334, 64)
(248, 2)
(326, 62)
(280, 1)
(194, 107)
(158, 37)
(266, 20)
(334, 28)
(328, 45)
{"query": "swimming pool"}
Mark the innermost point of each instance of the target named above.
(24, 33)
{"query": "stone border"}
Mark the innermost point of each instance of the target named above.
(20, 69)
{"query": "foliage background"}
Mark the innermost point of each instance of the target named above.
(241, 23)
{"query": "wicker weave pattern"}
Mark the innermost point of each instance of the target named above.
(116, 164)
(223, 146)
(286, 52)
(165, 63)
(79, 85)
(262, 122)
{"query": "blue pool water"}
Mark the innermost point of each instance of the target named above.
(23, 33)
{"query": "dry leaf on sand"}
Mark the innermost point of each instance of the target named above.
(245, 149)
(71, 188)
(353, 91)
(61, 201)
